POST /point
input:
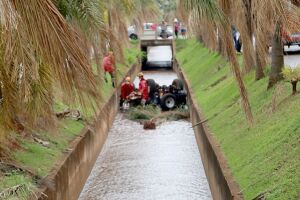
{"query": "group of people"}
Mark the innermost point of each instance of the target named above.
(178, 28)
(127, 87)
(128, 90)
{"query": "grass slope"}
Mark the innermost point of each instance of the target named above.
(264, 158)
(40, 159)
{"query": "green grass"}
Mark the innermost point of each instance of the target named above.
(142, 113)
(40, 159)
(15, 178)
(262, 158)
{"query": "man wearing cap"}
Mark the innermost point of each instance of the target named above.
(108, 64)
(143, 89)
(126, 89)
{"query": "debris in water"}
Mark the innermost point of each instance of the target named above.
(149, 124)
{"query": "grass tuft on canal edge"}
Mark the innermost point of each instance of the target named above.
(32, 160)
(265, 158)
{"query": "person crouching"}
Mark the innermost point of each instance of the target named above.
(126, 89)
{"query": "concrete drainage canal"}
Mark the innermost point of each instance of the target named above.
(134, 163)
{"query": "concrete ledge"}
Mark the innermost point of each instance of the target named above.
(68, 177)
(220, 179)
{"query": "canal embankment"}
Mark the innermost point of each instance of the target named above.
(263, 158)
(221, 181)
(70, 174)
(254, 156)
(34, 158)
(162, 163)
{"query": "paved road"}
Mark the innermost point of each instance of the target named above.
(293, 56)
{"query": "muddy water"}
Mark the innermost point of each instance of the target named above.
(154, 164)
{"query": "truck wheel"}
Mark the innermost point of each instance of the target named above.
(133, 36)
(152, 85)
(168, 101)
(178, 83)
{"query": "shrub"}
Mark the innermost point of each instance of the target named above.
(293, 76)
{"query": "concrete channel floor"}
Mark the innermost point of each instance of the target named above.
(161, 164)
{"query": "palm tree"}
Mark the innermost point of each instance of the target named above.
(271, 18)
(212, 13)
(33, 59)
(243, 19)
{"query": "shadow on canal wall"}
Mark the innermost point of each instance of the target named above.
(220, 179)
(69, 176)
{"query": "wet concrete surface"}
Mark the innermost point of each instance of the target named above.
(148, 164)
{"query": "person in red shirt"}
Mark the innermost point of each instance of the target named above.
(108, 64)
(126, 89)
(143, 89)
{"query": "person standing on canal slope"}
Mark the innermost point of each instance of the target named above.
(108, 65)
(143, 89)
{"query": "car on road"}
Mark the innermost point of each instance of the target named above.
(150, 26)
(132, 34)
(291, 39)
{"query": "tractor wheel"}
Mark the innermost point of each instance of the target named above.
(168, 101)
(152, 85)
(178, 83)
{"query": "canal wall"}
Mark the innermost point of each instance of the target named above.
(67, 179)
(220, 179)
